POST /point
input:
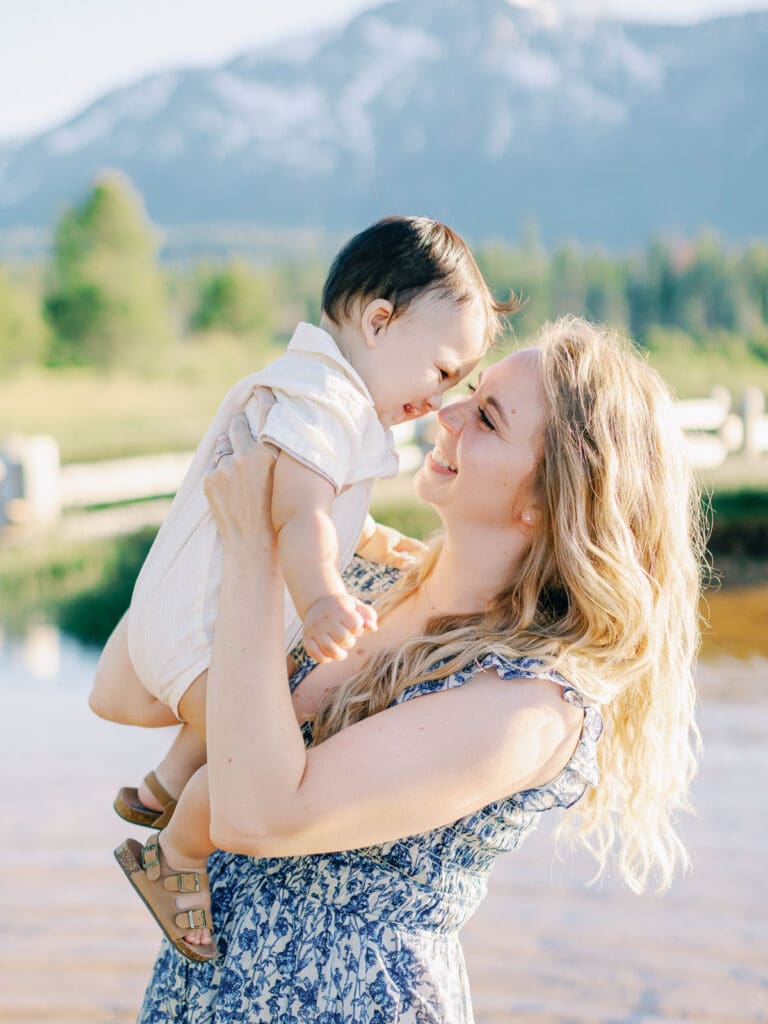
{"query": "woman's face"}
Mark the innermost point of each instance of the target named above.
(487, 446)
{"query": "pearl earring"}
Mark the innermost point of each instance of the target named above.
(527, 517)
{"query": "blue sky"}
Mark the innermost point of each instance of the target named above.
(56, 56)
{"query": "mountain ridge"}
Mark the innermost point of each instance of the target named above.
(603, 130)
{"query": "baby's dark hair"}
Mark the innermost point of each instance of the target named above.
(403, 258)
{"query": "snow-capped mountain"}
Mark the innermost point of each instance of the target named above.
(476, 111)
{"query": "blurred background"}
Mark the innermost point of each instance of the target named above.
(174, 181)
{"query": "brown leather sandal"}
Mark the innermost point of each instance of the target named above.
(128, 806)
(148, 872)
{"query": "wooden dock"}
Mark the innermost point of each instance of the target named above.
(76, 947)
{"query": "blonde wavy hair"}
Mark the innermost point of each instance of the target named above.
(608, 593)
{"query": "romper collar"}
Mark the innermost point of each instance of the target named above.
(316, 341)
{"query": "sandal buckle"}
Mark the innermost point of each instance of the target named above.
(194, 878)
(201, 922)
(149, 857)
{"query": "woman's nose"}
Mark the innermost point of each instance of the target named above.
(435, 401)
(450, 417)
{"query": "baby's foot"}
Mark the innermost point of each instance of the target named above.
(189, 900)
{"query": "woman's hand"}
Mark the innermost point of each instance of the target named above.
(238, 484)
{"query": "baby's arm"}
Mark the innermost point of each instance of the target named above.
(309, 551)
(383, 544)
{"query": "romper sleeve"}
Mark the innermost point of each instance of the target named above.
(315, 434)
(319, 418)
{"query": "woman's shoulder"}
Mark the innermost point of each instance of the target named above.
(581, 768)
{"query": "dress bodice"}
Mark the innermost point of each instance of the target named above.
(437, 878)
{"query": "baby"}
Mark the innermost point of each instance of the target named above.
(406, 315)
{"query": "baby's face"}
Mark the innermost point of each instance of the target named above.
(421, 354)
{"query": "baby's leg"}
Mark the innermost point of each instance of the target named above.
(118, 694)
(187, 753)
(192, 703)
(186, 844)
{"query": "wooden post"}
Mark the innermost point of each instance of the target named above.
(30, 480)
(753, 411)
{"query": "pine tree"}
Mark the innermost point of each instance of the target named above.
(23, 332)
(106, 301)
(238, 299)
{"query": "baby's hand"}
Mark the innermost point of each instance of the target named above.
(388, 546)
(333, 624)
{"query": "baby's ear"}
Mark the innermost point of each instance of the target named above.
(375, 319)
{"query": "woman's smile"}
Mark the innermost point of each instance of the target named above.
(439, 463)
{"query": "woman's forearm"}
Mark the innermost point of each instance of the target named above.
(256, 754)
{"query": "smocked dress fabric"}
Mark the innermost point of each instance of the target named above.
(369, 936)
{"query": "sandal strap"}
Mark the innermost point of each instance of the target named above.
(165, 815)
(196, 918)
(173, 881)
(158, 790)
(150, 858)
(184, 881)
(163, 797)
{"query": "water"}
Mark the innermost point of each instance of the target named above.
(76, 946)
(44, 657)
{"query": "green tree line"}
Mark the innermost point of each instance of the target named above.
(103, 299)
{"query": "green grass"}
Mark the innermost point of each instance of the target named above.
(101, 416)
(96, 415)
(412, 518)
(741, 505)
(692, 373)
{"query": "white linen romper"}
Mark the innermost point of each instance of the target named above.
(324, 417)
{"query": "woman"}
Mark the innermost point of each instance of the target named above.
(365, 806)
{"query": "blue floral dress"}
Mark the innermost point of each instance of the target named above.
(366, 936)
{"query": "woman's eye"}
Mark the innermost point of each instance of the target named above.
(472, 388)
(484, 419)
(444, 375)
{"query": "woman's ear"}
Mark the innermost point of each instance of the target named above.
(375, 319)
(529, 516)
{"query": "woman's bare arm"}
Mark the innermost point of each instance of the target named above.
(417, 766)
(413, 767)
